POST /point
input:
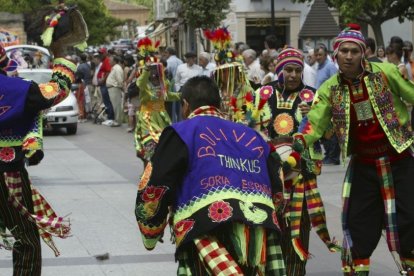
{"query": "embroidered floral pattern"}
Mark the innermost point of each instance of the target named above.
(31, 143)
(7, 154)
(181, 229)
(253, 213)
(283, 124)
(145, 177)
(153, 193)
(306, 95)
(220, 211)
(266, 92)
(151, 197)
(49, 90)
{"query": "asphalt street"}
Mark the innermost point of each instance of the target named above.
(92, 176)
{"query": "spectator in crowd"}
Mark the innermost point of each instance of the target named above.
(115, 84)
(172, 61)
(270, 45)
(370, 52)
(252, 64)
(103, 73)
(381, 53)
(394, 53)
(239, 47)
(184, 72)
(326, 69)
(311, 59)
(131, 100)
(84, 76)
(96, 95)
(408, 59)
(268, 67)
(207, 67)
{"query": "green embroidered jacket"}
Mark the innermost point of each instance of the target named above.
(387, 91)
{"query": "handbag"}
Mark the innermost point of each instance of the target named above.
(132, 90)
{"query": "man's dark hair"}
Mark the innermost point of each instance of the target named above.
(171, 51)
(199, 91)
(83, 57)
(271, 41)
(323, 47)
(370, 42)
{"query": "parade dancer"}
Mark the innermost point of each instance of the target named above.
(23, 210)
(288, 100)
(152, 116)
(229, 75)
(366, 102)
(216, 178)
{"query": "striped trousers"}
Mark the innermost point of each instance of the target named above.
(27, 257)
(294, 265)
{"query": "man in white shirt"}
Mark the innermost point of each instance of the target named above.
(115, 82)
(254, 73)
(172, 62)
(184, 72)
(207, 67)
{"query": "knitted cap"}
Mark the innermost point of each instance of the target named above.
(289, 55)
(4, 60)
(352, 33)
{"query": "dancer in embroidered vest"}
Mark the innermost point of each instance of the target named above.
(215, 179)
(366, 104)
(286, 102)
(152, 116)
(23, 210)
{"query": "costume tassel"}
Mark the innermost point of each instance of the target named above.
(302, 253)
(47, 36)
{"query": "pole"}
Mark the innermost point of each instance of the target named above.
(272, 18)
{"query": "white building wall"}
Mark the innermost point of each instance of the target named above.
(242, 9)
(394, 28)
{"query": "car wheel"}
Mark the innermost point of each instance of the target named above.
(72, 129)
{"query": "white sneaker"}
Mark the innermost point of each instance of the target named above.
(114, 124)
(107, 122)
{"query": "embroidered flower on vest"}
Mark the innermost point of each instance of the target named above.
(7, 154)
(220, 211)
(283, 124)
(306, 95)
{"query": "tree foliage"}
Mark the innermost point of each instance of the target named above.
(147, 3)
(372, 12)
(95, 13)
(203, 13)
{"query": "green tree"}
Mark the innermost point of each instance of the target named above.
(372, 12)
(203, 13)
(95, 13)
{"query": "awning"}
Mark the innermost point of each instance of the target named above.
(158, 33)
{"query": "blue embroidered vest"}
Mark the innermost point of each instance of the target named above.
(227, 178)
(15, 126)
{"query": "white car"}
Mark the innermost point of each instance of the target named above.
(63, 115)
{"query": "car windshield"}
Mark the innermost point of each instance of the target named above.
(27, 57)
(36, 76)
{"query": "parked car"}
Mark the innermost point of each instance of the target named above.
(123, 44)
(63, 115)
(29, 56)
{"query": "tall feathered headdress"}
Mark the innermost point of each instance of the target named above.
(147, 48)
(221, 39)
